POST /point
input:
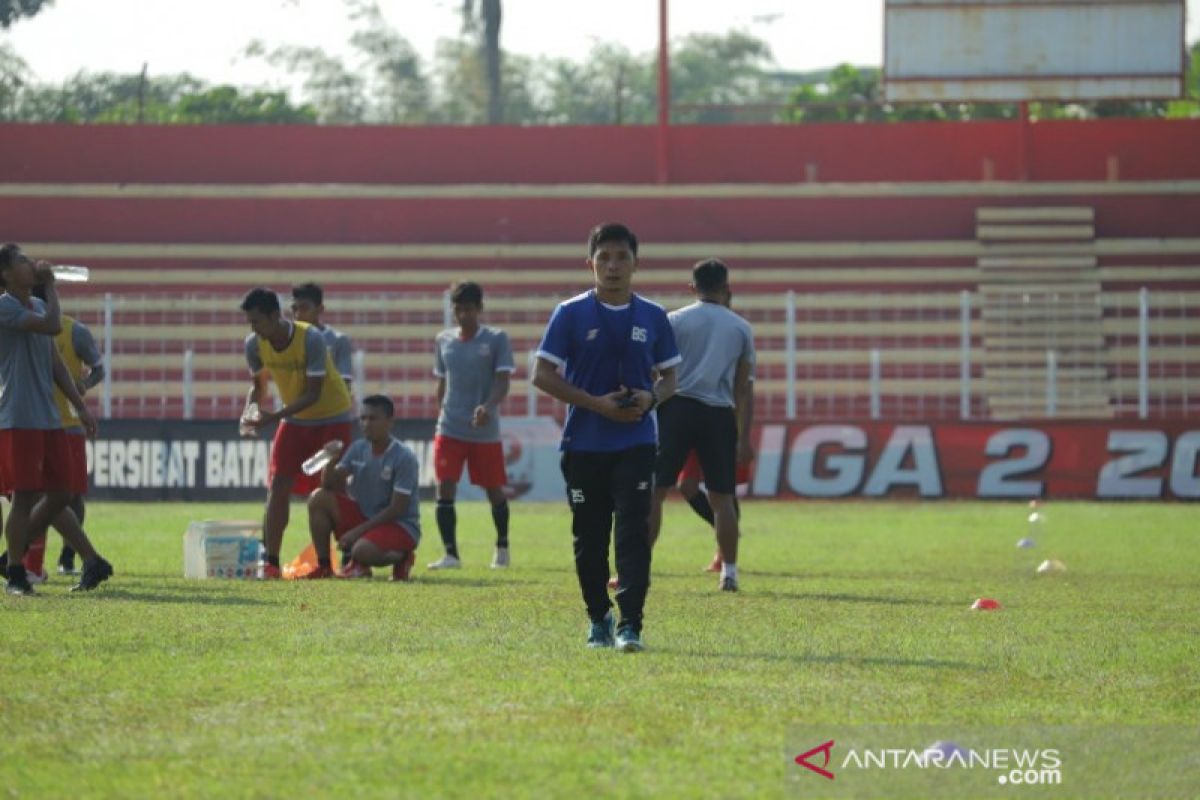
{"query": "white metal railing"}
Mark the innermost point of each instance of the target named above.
(821, 355)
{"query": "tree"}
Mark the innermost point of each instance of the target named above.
(487, 26)
(12, 10)
(399, 85)
(337, 93)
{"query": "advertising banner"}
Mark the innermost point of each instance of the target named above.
(1097, 460)
(206, 460)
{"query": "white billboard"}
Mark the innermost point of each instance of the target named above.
(1002, 50)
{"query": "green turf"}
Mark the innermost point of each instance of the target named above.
(476, 683)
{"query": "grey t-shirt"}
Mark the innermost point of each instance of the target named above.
(85, 345)
(26, 369)
(341, 349)
(375, 478)
(470, 368)
(712, 340)
(314, 352)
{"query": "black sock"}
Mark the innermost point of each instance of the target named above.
(67, 557)
(699, 504)
(4, 561)
(324, 562)
(447, 522)
(273, 561)
(500, 517)
(16, 572)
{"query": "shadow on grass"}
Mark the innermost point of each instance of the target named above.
(840, 597)
(189, 597)
(855, 661)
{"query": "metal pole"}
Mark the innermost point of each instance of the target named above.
(530, 389)
(790, 351)
(875, 383)
(106, 390)
(964, 361)
(1143, 353)
(662, 153)
(359, 366)
(189, 397)
(447, 310)
(1051, 384)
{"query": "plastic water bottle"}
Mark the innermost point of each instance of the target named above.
(318, 460)
(71, 273)
(249, 414)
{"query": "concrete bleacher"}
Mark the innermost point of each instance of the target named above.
(877, 253)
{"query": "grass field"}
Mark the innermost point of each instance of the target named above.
(477, 684)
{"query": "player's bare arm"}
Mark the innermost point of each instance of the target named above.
(49, 322)
(743, 398)
(483, 413)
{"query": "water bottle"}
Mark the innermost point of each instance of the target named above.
(318, 460)
(71, 273)
(249, 414)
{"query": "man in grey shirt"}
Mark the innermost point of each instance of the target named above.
(712, 408)
(369, 499)
(473, 364)
(308, 304)
(35, 456)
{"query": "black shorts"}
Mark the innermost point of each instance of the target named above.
(684, 425)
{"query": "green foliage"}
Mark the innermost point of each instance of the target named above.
(477, 684)
(12, 10)
(854, 94)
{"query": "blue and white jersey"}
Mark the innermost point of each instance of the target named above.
(600, 348)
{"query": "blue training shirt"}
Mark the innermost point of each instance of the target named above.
(600, 348)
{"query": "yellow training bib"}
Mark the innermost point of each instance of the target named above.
(288, 368)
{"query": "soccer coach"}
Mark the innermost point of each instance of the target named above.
(717, 347)
(609, 342)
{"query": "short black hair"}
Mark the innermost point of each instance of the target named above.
(466, 292)
(382, 402)
(309, 291)
(611, 232)
(9, 255)
(710, 275)
(260, 299)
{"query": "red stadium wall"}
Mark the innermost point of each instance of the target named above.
(1143, 149)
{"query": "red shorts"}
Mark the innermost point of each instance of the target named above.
(388, 536)
(485, 461)
(78, 444)
(293, 444)
(691, 470)
(34, 460)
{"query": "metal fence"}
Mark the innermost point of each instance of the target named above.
(822, 356)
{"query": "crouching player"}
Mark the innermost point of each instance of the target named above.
(368, 500)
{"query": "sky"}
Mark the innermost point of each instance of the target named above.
(208, 39)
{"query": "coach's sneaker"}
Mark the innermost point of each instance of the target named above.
(321, 573)
(353, 569)
(600, 634)
(403, 571)
(37, 578)
(95, 572)
(629, 640)
(446, 562)
(500, 559)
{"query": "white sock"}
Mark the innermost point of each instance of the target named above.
(728, 570)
